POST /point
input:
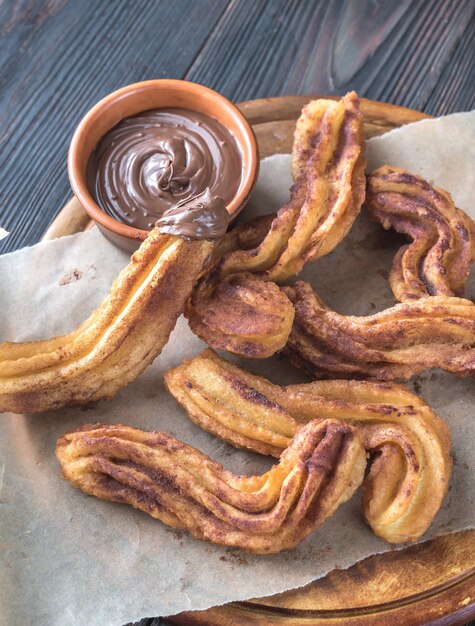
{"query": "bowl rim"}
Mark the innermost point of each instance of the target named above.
(79, 183)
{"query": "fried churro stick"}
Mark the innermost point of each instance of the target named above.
(328, 191)
(436, 262)
(394, 344)
(408, 443)
(120, 339)
(173, 482)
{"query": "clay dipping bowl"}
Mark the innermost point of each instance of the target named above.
(139, 97)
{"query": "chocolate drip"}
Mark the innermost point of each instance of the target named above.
(150, 162)
(201, 217)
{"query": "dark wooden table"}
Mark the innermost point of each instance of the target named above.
(58, 57)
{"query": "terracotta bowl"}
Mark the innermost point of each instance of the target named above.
(154, 94)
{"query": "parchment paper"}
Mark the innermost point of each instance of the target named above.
(68, 558)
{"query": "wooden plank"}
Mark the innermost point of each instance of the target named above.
(389, 51)
(452, 91)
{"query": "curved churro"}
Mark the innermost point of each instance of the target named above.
(328, 191)
(436, 262)
(408, 443)
(394, 344)
(173, 482)
(120, 339)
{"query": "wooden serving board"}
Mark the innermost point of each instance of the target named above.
(429, 583)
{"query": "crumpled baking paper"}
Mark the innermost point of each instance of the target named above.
(69, 558)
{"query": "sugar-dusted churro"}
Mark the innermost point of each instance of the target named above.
(408, 444)
(396, 343)
(328, 191)
(118, 341)
(171, 481)
(436, 262)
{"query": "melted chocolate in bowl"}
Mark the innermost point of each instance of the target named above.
(154, 160)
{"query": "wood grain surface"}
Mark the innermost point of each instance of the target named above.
(58, 57)
(433, 582)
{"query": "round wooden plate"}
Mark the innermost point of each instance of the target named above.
(429, 583)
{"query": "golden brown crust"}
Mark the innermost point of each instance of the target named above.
(173, 482)
(394, 344)
(242, 314)
(328, 191)
(436, 262)
(119, 340)
(408, 443)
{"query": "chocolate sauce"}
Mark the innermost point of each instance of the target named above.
(201, 217)
(157, 159)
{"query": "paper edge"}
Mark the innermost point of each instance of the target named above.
(431, 121)
(392, 548)
(46, 242)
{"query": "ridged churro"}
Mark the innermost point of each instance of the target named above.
(396, 343)
(408, 444)
(171, 481)
(118, 341)
(436, 262)
(328, 191)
